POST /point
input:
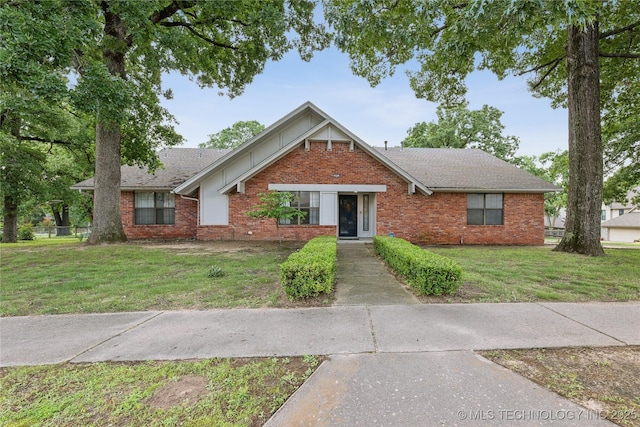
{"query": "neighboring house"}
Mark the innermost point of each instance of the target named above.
(617, 209)
(346, 187)
(623, 228)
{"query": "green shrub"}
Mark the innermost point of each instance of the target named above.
(311, 270)
(215, 271)
(428, 273)
(25, 232)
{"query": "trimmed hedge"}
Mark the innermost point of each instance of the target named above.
(428, 273)
(311, 270)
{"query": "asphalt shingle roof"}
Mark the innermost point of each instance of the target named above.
(629, 220)
(437, 168)
(179, 165)
(468, 169)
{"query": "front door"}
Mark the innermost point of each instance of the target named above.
(348, 216)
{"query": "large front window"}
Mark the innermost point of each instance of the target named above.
(484, 209)
(308, 202)
(154, 208)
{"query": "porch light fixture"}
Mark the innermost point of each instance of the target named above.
(336, 175)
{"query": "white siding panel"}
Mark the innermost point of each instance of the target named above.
(214, 207)
(266, 149)
(330, 132)
(328, 208)
(237, 168)
(297, 128)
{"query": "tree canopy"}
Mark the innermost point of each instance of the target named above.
(234, 135)
(106, 59)
(580, 54)
(459, 127)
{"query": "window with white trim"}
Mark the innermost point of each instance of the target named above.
(154, 208)
(484, 209)
(308, 202)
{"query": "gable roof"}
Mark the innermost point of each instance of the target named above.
(320, 125)
(454, 169)
(424, 169)
(629, 220)
(179, 165)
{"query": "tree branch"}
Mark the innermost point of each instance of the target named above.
(619, 30)
(553, 62)
(197, 34)
(46, 140)
(620, 55)
(171, 10)
(553, 67)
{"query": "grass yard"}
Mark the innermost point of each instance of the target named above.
(519, 274)
(213, 392)
(604, 380)
(43, 277)
(54, 276)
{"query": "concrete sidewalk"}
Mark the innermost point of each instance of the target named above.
(398, 365)
(335, 330)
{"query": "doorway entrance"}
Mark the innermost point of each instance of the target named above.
(348, 216)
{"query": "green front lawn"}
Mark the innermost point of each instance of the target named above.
(43, 277)
(40, 277)
(516, 274)
(213, 392)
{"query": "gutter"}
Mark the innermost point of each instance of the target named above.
(493, 190)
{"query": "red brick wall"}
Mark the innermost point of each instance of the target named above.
(440, 218)
(185, 227)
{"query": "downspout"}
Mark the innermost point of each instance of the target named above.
(182, 196)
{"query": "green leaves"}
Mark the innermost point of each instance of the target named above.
(311, 270)
(276, 205)
(427, 272)
(233, 136)
(458, 127)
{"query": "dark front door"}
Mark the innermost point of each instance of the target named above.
(348, 214)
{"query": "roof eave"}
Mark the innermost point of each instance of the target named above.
(492, 190)
(414, 183)
(191, 184)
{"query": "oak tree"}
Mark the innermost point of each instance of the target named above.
(459, 127)
(581, 54)
(108, 58)
(234, 135)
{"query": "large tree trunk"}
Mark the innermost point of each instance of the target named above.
(107, 219)
(584, 200)
(11, 198)
(61, 215)
(10, 219)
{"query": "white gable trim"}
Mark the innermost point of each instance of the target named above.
(413, 184)
(190, 185)
(239, 182)
(328, 126)
(347, 188)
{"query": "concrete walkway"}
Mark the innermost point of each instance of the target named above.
(362, 279)
(391, 364)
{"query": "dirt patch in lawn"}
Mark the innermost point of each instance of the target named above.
(188, 390)
(604, 380)
(201, 247)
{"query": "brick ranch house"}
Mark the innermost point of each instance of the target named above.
(347, 188)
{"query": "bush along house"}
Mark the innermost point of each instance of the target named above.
(346, 188)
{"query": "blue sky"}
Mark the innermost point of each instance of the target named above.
(377, 114)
